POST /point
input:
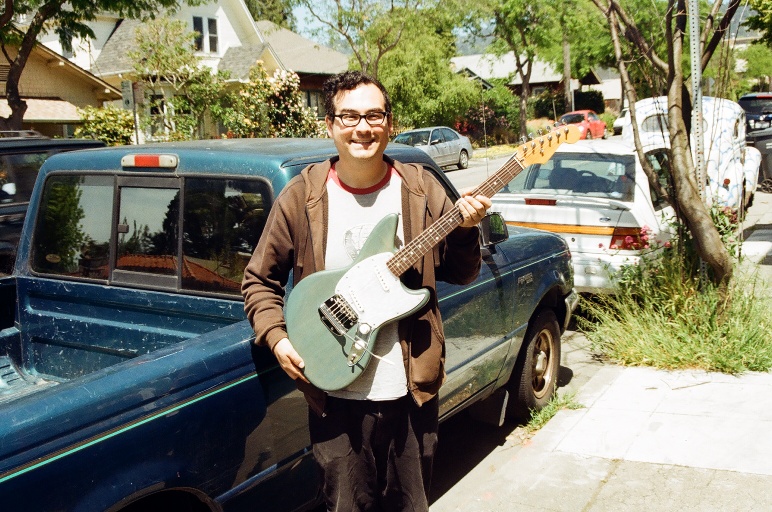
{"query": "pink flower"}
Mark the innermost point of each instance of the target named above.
(614, 247)
(600, 246)
(628, 240)
(667, 244)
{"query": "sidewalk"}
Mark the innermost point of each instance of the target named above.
(645, 439)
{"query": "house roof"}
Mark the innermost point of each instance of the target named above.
(114, 58)
(238, 60)
(489, 66)
(302, 55)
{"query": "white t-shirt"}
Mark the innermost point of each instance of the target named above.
(352, 215)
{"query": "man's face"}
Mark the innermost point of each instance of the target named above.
(363, 142)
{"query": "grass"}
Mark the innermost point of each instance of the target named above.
(556, 403)
(664, 318)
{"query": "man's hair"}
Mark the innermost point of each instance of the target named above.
(348, 81)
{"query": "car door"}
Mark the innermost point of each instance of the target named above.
(437, 141)
(597, 126)
(453, 144)
(478, 320)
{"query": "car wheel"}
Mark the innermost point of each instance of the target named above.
(588, 136)
(605, 133)
(463, 159)
(535, 376)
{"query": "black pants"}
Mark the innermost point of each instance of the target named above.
(375, 456)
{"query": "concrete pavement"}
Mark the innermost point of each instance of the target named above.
(645, 439)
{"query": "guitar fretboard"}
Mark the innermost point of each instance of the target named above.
(423, 243)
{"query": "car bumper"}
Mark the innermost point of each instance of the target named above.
(592, 272)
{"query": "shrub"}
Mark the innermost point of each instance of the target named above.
(112, 125)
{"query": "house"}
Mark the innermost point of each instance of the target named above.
(230, 40)
(544, 76)
(54, 89)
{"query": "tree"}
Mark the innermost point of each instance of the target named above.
(370, 28)
(758, 59)
(68, 20)
(165, 59)
(522, 27)
(761, 20)
(423, 88)
(686, 194)
(277, 11)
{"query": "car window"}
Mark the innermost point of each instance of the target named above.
(18, 173)
(575, 174)
(659, 160)
(572, 119)
(449, 135)
(592, 116)
(436, 137)
(420, 138)
(220, 224)
(654, 124)
(757, 105)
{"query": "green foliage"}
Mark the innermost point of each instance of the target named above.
(179, 93)
(556, 403)
(662, 314)
(61, 220)
(112, 125)
(270, 107)
(423, 88)
(277, 11)
(494, 120)
(758, 68)
(761, 20)
(549, 104)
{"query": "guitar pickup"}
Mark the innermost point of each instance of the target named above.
(337, 315)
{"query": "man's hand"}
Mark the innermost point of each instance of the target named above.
(289, 360)
(472, 209)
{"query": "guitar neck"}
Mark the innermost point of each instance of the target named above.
(536, 151)
(423, 243)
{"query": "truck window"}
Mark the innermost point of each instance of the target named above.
(18, 173)
(72, 235)
(221, 222)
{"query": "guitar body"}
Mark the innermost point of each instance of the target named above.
(333, 316)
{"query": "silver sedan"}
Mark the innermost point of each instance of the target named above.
(446, 146)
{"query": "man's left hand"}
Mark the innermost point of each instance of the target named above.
(472, 209)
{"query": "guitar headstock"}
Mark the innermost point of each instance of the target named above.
(540, 149)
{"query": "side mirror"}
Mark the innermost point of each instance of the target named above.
(493, 229)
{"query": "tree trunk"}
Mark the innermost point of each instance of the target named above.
(569, 105)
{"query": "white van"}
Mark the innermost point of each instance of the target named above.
(732, 167)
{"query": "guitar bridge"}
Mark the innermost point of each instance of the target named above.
(337, 315)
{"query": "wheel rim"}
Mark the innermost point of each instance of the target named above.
(464, 159)
(542, 364)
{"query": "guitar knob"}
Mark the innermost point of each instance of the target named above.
(363, 329)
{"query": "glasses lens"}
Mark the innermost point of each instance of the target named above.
(375, 117)
(350, 119)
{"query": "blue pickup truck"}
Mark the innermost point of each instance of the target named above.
(129, 377)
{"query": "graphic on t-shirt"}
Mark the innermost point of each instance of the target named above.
(355, 239)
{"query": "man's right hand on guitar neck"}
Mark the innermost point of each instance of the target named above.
(289, 360)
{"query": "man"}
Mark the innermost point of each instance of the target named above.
(374, 440)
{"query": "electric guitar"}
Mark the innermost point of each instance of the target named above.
(333, 316)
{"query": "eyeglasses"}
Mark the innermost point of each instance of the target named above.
(352, 119)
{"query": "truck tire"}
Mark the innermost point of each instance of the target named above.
(534, 379)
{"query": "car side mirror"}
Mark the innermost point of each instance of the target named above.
(493, 229)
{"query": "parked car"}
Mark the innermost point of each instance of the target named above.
(130, 380)
(619, 122)
(21, 155)
(590, 125)
(731, 166)
(758, 110)
(597, 197)
(446, 146)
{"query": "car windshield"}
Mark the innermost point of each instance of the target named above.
(577, 174)
(413, 138)
(572, 118)
(757, 105)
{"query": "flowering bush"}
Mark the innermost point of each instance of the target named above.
(270, 107)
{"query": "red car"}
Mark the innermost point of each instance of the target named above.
(590, 125)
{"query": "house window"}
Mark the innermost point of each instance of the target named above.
(204, 34)
(315, 101)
